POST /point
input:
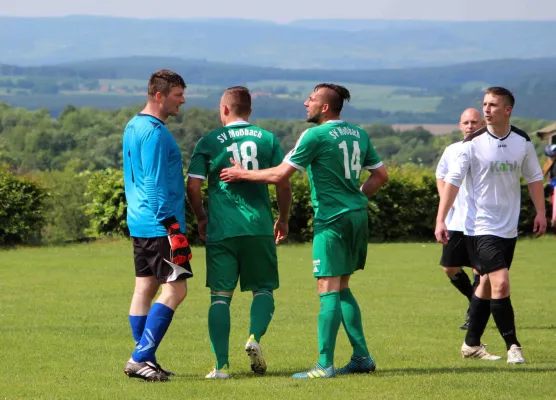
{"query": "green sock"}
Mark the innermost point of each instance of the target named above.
(330, 317)
(262, 309)
(219, 327)
(351, 319)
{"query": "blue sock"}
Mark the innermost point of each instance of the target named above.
(157, 324)
(137, 323)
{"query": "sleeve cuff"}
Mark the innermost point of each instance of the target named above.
(197, 176)
(454, 182)
(169, 222)
(298, 167)
(374, 166)
(534, 179)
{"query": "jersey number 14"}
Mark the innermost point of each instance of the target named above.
(248, 152)
(355, 163)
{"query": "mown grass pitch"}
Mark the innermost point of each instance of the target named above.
(64, 332)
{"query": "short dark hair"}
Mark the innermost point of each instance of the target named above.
(163, 81)
(336, 97)
(503, 92)
(239, 100)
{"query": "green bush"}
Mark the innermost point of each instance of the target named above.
(528, 212)
(23, 208)
(106, 205)
(404, 209)
(406, 206)
(66, 219)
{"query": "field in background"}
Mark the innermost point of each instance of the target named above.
(65, 335)
(385, 98)
(378, 97)
(435, 129)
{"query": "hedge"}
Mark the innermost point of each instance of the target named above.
(23, 209)
(404, 209)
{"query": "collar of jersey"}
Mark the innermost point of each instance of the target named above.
(498, 137)
(334, 121)
(151, 116)
(238, 122)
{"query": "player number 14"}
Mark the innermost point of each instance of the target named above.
(248, 152)
(355, 163)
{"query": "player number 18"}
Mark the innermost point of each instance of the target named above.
(248, 151)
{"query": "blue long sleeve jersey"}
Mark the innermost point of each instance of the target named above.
(153, 177)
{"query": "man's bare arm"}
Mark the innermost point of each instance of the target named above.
(269, 175)
(379, 177)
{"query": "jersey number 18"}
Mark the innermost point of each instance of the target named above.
(246, 156)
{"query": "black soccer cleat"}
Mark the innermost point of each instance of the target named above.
(147, 371)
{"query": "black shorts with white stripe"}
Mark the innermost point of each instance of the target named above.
(152, 258)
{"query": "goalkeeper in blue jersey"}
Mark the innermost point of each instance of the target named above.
(155, 194)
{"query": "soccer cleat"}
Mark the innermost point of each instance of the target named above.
(164, 371)
(146, 370)
(255, 353)
(222, 373)
(358, 365)
(477, 352)
(316, 373)
(515, 356)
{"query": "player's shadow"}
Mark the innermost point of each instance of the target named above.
(461, 370)
(383, 373)
(537, 328)
(280, 373)
(243, 374)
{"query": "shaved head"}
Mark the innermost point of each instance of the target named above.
(470, 121)
(235, 104)
(238, 99)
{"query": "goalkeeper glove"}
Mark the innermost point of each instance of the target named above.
(180, 252)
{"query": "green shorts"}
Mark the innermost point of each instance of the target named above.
(251, 259)
(340, 247)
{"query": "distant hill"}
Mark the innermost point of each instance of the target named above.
(411, 95)
(311, 44)
(509, 72)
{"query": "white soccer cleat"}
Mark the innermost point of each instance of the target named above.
(223, 373)
(255, 353)
(477, 352)
(515, 356)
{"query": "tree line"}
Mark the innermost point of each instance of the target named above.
(90, 139)
(61, 180)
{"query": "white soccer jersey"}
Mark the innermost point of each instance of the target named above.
(455, 221)
(492, 167)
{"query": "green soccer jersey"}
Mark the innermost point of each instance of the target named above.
(334, 154)
(242, 208)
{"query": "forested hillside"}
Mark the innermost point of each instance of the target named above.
(90, 139)
(411, 95)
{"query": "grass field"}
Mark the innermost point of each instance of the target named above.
(65, 335)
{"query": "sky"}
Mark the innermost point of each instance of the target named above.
(288, 10)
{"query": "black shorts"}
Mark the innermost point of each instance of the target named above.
(152, 258)
(455, 253)
(490, 252)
